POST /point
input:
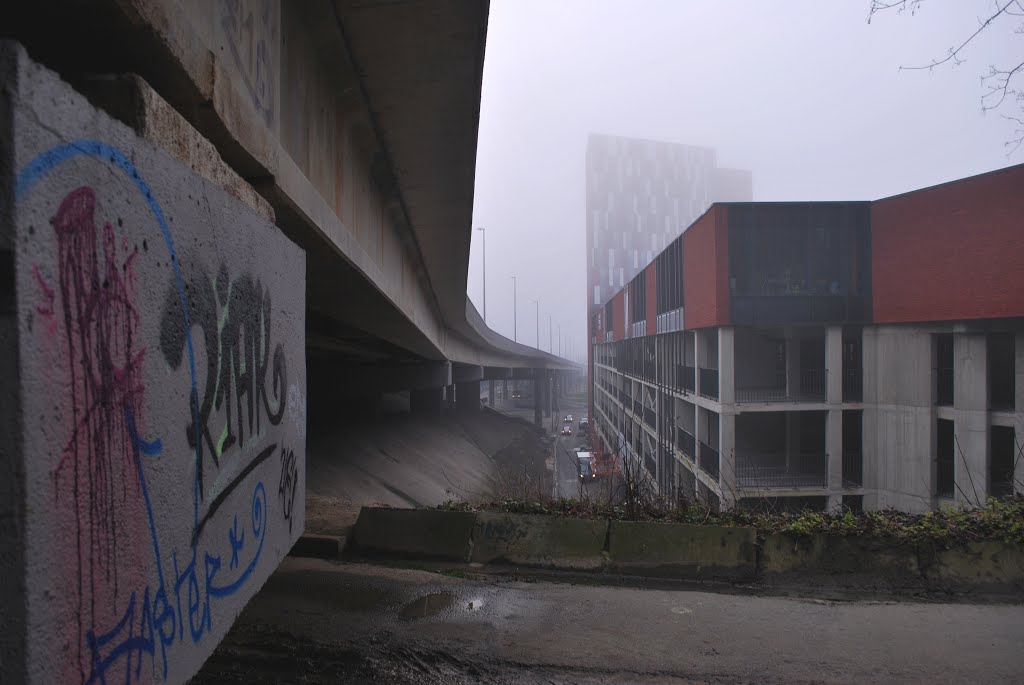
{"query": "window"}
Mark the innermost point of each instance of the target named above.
(945, 471)
(944, 369)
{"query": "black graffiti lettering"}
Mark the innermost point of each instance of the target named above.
(289, 483)
(234, 317)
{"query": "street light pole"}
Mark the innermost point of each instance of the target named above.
(537, 326)
(550, 350)
(483, 250)
(515, 332)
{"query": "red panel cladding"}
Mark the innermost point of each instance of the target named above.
(619, 315)
(954, 251)
(652, 297)
(706, 270)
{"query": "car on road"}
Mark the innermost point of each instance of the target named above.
(586, 470)
(584, 424)
(567, 430)
(567, 419)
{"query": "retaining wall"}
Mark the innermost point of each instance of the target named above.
(677, 551)
(156, 477)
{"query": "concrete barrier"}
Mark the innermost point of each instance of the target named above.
(840, 561)
(413, 533)
(683, 551)
(991, 566)
(539, 540)
(154, 427)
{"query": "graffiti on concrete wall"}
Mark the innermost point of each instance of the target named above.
(159, 510)
(250, 31)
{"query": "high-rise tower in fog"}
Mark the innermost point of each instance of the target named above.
(641, 195)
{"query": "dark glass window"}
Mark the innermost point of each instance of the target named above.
(1002, 447)
(944, 369)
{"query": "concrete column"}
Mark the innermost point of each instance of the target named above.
(834, 449)
(538, 415)
(504, 393)
(490, 393)
(726, 366)
(727, 458)
(698, 354)
(467, 397)
(426, 402)
(834, 364)
(970, 417)
(792, 363)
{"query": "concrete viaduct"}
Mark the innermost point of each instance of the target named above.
(215, 217)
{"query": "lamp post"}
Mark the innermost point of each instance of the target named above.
(559, 340)
(483, 251)
(549, 334)
(515, 333)
(537, 324)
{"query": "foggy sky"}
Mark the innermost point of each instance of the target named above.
(803, 93)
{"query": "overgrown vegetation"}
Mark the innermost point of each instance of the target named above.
(1001, 519)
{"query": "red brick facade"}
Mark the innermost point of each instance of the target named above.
(950, 252)
(706, 270)
(650, 276)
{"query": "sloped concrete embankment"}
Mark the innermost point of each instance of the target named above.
(687, 552)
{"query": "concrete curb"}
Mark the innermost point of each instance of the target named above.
(317, 547)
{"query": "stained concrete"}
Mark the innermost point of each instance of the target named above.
(160, 399)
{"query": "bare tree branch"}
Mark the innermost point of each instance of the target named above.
(999, 86)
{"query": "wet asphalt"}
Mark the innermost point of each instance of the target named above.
(329, 622)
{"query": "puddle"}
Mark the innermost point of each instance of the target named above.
(428, 605)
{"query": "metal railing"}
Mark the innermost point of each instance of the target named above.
(774, 394)
(809, 388)
(686, 443)
(754, 472)
(853, 385)
(709, 383)
(686, 378)
(708, 460)
(812, 383)
(650, 418)
(853, 469)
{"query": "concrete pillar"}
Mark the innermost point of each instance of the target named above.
(834, 449)
(834, 364)
(727, 455)
(698, 361)
(792, 364)
(970, 417)
(490, 393)
(504, 393)
(726, 366)
(426, 402)
(467, 397)
(538, 400)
